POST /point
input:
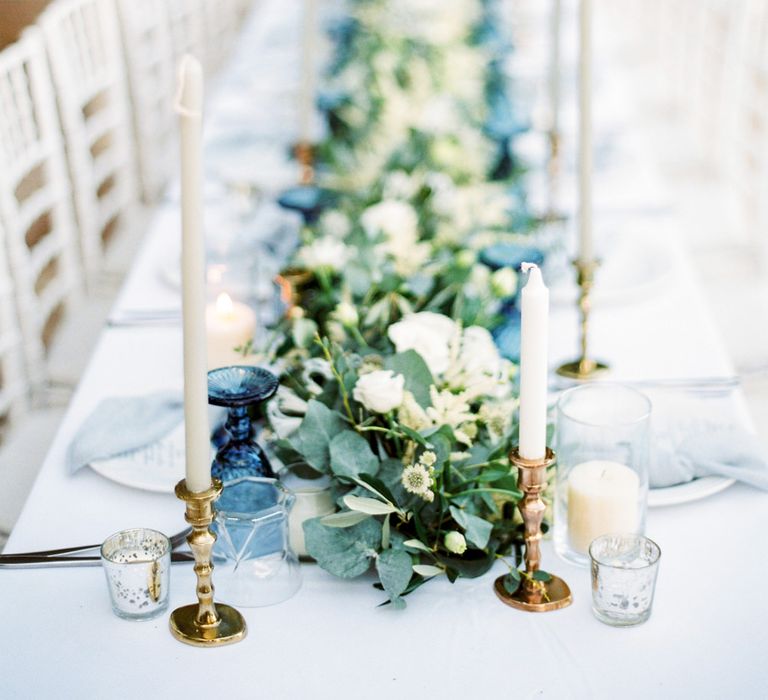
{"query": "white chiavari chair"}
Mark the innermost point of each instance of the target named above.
(185, 19)
(150, 64)
(35, 201)
(86, 57)
(24, 434)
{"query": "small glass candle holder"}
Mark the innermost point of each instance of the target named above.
(624, 570)
(255, 564)
(603, 447)
(137, 564)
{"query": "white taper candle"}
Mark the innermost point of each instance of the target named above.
(189, 105)
(533, 365)
(308, 68)
(586, 252)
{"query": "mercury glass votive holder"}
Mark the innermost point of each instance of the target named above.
(137, 564)
(624, 570)
(602, 434)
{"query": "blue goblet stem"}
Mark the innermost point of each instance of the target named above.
(239, 423)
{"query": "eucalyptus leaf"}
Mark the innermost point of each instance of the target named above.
(427, 570)
(368, 505)
(511, 584)
(376, 486)
(417, 544)
(476, 530)
(541, 576)
(350, 455)
(346, 518)
(394, 567)
(386, 529)
(343, 552)
(313, 438)
(417, 376)
(303, 332)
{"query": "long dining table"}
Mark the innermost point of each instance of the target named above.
(707, 636)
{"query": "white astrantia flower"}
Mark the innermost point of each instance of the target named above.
(497, 417)
(324, 252)
(428, 458)
(380, 391)
(429, 334)
(455, 542)
(417, 480)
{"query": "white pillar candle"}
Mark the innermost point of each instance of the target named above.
(229, 325)
(189, 104)
(603, 497)
(533, 365)
(586, 252)
(308, 68)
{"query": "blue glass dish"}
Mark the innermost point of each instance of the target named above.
(237, 388)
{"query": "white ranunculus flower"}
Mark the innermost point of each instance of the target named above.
(429, 334)
(324, 252)
(380, 391)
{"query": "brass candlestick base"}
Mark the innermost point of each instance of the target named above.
(584, 368)
(305, 155)
(206, 624)
(532, 595)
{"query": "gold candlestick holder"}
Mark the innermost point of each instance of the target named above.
(305, 155)
(206, 624)
(585, 367)
(533, 595)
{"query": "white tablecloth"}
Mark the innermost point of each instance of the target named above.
(707, 637)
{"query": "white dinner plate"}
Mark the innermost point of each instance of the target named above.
(157, 467)
(695, 490)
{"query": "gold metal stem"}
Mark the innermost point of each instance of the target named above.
(532, 595)
(553, 171)
(585, 367)
(305, 155)
(207, 623)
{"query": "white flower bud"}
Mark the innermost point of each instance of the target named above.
(455, 542)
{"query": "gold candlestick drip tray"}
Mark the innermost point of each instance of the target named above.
(230, 627)
(552, 595)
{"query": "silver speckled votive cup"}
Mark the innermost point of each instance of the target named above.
(137, 564)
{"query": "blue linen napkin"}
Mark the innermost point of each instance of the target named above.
(736, 454)
(696, 436)
(121, 424)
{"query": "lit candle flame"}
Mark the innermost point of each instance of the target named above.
(224, 306)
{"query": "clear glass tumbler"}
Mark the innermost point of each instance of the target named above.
(603, 447)
(624, 570)
(254, 562)
(137, 564)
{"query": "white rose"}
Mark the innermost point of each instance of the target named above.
(324, 252)
(427, 333)
(380, 391)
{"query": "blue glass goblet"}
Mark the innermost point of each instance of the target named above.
(237, 388)
(309, 200)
